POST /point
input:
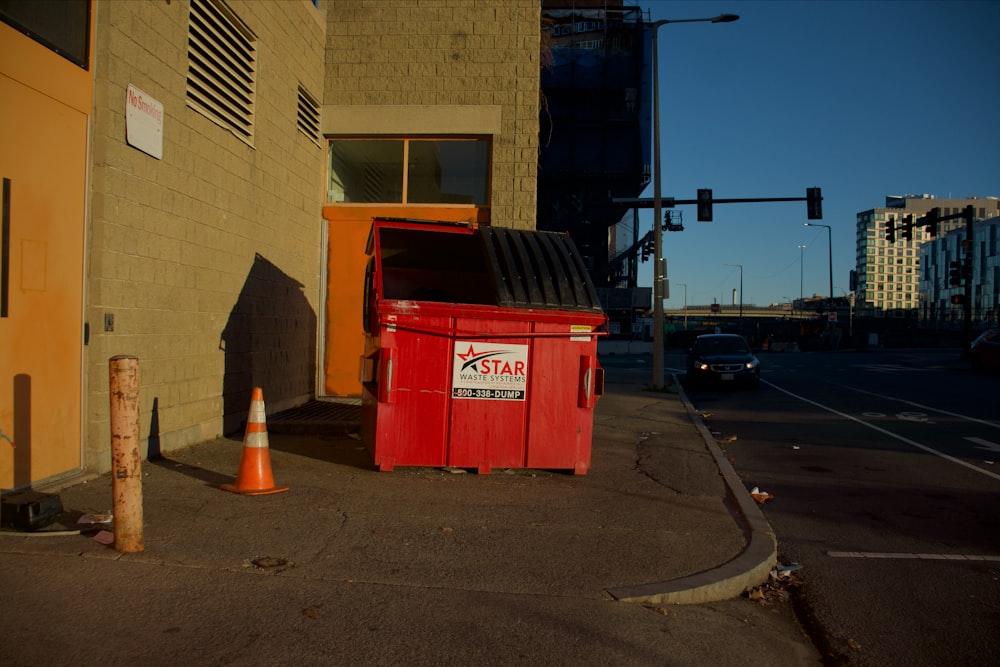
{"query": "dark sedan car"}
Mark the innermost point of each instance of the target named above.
(985, 351)
(722, 359)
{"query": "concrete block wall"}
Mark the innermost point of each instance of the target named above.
(392, 54)
(208, 260)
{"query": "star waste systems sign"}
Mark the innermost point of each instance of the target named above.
(489, 371)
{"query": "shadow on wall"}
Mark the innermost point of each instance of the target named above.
(269, 342)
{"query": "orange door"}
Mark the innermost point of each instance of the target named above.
(43, 147)
(347, 236)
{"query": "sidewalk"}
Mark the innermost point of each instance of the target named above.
(417, 566)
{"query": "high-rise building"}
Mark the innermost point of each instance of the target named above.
(888, 271)
(952, 269)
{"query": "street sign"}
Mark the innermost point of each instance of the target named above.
(832, 316)
(715, 308)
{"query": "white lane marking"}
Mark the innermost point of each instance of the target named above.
(922, 407)
(909, 556)
(886, 432)
(914, 417)
(886, 368)
(984, 444)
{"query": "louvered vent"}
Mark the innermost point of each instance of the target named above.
(222, 70)
(308, 118)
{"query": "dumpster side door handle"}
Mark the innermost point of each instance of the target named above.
(385, 371)
(591, 381)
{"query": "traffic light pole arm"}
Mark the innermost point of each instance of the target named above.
(670, 202)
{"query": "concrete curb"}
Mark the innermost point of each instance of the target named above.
(749, 569)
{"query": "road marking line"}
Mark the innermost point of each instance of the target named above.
(887, 432)
(922, 407)
(909, 556)
(887, 368)
(982, 443)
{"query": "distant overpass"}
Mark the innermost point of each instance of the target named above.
(780, 311)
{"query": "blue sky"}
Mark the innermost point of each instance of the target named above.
(863, 99)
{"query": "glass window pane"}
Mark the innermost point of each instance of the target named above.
(448, 172)
(60, 25)
(366, 170)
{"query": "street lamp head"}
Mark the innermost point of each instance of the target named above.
(721, 18)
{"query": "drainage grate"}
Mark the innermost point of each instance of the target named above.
(318, 415)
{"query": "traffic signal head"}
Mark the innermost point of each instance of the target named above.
(890, 230)
(814, 204)
(705, 205)
(906, 228)
(969, 214)
(954, 273)
(930, 221)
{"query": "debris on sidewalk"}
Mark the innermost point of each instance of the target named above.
(106, 517)
(778, 586)
(784, 571)
(760, 496)
(731, 438)
(105, 537)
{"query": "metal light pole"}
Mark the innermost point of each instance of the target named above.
(850, 302)
(658, 263)
(740, 325)
(801, 247)
(684, 285)
(829, 238)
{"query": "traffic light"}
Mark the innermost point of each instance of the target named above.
(930, 221)
(958, 299)
(890, 230)
(814, 204)
(906, 228)
(955, 274)
(705, 205)
(968, 215)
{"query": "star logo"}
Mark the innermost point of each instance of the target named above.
(471, 356)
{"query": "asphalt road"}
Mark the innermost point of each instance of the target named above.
(885, 474)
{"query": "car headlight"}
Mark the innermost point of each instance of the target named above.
(701, 365)
(752, 364)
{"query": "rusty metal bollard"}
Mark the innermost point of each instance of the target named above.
(126, 480)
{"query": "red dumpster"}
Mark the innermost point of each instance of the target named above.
(481, 348)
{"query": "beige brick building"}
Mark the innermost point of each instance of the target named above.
(203, 211)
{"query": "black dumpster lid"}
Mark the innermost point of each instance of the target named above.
(533, 269)
(527, 268)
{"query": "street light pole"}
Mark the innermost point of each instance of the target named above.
(829, 238)
(684, 285)
(801, 247)
(740, 325)
(658, 263)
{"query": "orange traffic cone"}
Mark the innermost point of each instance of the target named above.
(254, 477)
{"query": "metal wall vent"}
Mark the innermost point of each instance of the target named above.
(221, 80)
(308, 116)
